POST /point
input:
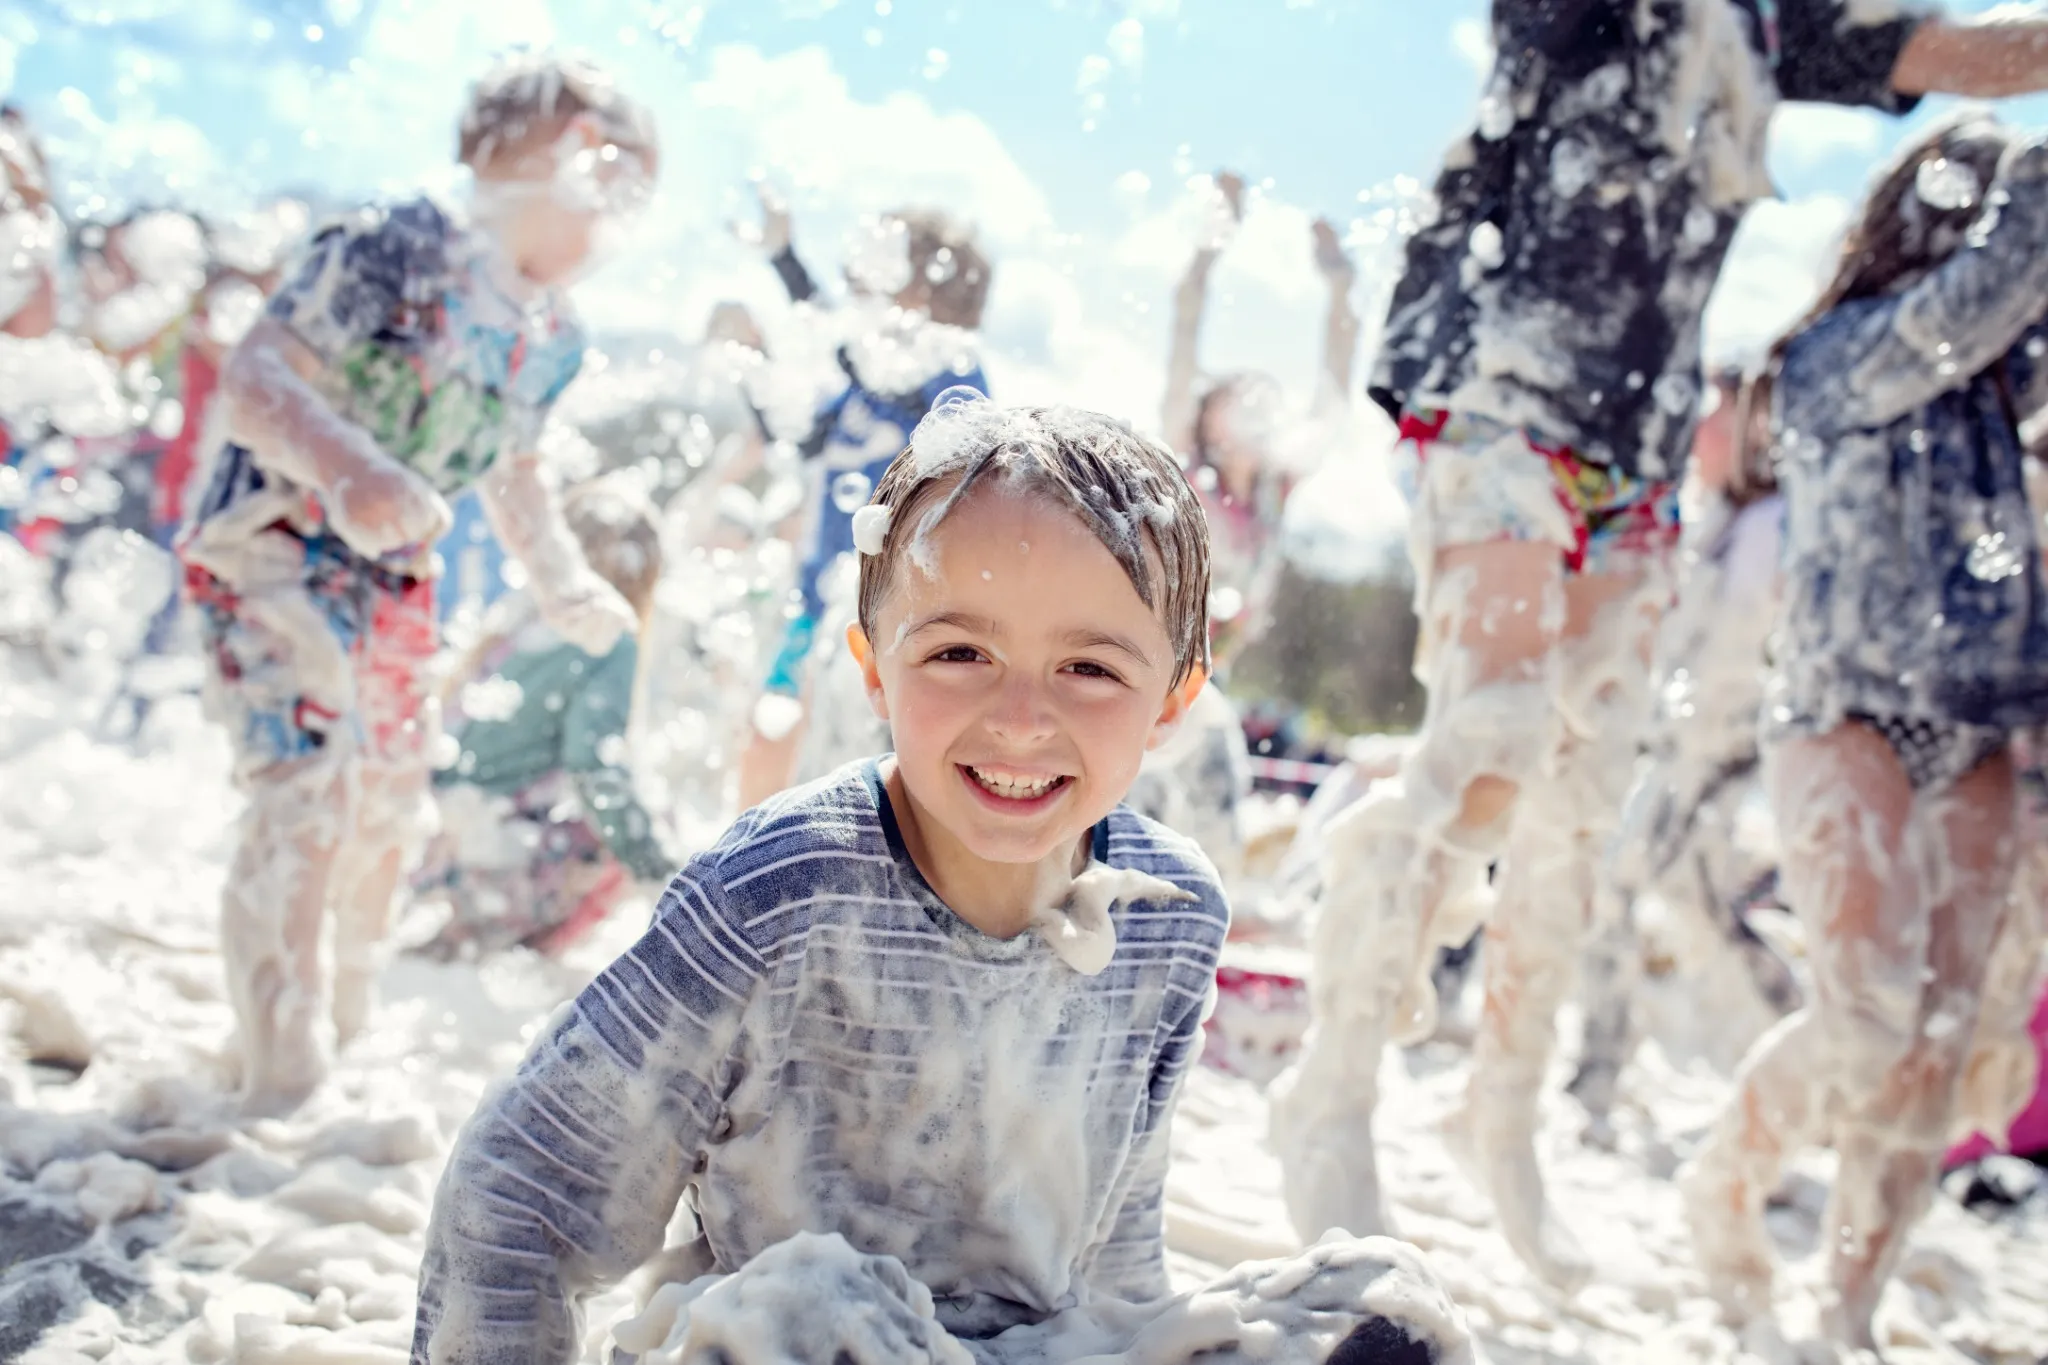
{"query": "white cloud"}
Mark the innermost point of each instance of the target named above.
(1079, 318)
(1803, 136)
(1782, 256)
(1126, 43)
(1473, 43)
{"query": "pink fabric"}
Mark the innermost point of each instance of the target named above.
(2028, 1135)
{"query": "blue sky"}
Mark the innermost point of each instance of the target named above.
(1067, 128)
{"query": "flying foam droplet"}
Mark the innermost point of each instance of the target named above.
(850, 490)
(959, 395)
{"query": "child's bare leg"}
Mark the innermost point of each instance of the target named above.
(1891, 1135)
(401, 721)
(1405, 869)
(273, 910)
(1842, 802)
(2004, 1062)
(1547, 887)
(393, 818)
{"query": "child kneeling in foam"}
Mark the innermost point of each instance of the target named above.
(909, 1039)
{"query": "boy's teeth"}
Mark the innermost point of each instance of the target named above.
(1015, 788)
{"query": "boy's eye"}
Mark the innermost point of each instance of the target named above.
(1088, 668)
(956, 654)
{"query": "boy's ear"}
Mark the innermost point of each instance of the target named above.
(870, 669)
(1178, 701)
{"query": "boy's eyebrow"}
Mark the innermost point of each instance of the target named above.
(958, 620)
(1088, 638)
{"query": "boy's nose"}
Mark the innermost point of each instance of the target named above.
(1022, 711)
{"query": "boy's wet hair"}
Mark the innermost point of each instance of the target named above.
(525, 101)
(946, 258)
(613, 521)
(1128, 491)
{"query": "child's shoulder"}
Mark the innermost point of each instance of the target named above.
(804, 847)
(400, 237)
(1138, 842)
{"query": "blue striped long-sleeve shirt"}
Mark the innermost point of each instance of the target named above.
(807, 1039)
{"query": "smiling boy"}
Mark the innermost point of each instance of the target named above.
(939, 1004)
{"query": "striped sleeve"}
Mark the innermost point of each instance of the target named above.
(1131, 1265)
(565, 1180)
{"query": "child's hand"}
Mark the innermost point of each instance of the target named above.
(773, 234)
(589, 613)
(1331, 258)
(381, 507)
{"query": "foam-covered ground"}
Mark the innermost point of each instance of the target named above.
(138, 1222)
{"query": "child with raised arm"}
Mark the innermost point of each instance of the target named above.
(920, 283)
(406, 357)
(908, 1040)
(1226, 428)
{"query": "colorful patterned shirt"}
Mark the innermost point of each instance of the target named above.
(1577, 233)
(429, 342)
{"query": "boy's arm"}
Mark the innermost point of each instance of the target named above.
(351, 285)
(1987, 56)
(572, 598)
(1869, 368)
(374, 503)
(566, 1178)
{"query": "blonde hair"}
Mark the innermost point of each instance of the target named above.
(525, 100)
(1128, 491)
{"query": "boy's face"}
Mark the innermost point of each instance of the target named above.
(1023, 681)
(550, 206)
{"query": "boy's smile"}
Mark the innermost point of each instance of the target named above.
(1023, 679)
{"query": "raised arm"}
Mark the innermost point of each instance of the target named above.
(1177, 412)
(572, 598)
(1340, 324)
(566, 1178)
(1872, 362)
(774, 237)
(1993, 55)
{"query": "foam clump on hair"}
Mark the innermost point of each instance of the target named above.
(871, 529)
(1129, 492)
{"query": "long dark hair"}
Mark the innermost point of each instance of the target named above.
(1899, 236)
